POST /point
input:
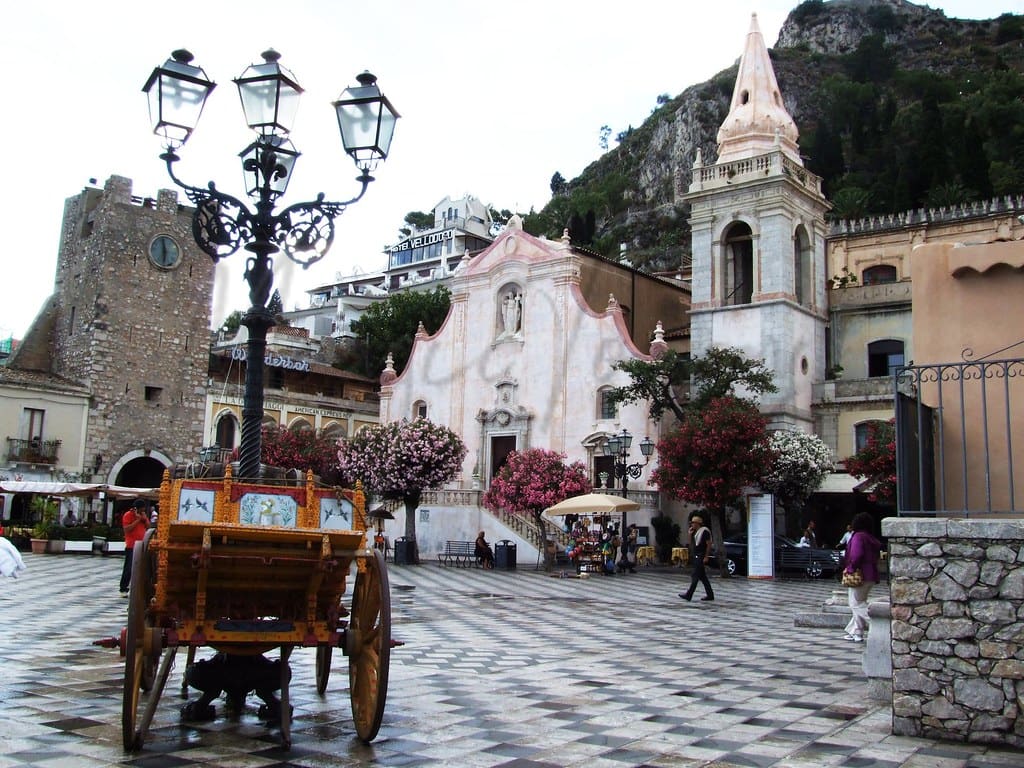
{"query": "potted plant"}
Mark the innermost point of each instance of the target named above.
(46, 532)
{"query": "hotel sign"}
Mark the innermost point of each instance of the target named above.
(416, 242)
(276, 361)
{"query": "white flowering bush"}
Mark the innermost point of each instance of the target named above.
(801, 463)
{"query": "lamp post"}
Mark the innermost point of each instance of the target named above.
(222, 224)
(617, 446)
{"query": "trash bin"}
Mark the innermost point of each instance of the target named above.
(505, 555)
(405, 551)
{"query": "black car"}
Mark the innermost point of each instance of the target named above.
(790, 557)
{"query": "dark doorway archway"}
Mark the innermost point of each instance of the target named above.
(141, 472)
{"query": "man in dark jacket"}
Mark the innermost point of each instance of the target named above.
(700, 553)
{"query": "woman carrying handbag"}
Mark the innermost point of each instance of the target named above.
(860, 573)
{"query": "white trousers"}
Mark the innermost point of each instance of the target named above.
(859, 605)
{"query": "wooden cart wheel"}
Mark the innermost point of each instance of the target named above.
(368, 642)
(139, 660)
(323, 667)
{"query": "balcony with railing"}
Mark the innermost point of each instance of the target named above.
(32, 451)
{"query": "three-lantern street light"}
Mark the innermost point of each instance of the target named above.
(617, 446)
(222, 224)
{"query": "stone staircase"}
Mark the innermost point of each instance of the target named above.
(525, 527)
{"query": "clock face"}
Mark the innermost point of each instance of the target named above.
(164, 252)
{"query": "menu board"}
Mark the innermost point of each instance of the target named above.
(760, 536)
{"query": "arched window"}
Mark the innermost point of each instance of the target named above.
(419, 409)
(862, 431)
(300, 425)
(739, 265)
(884, 357)
(802, 285)
(333, 431)
(226, 428)
(606, 409)
(878, 274)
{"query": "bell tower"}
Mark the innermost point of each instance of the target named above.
(758, 223)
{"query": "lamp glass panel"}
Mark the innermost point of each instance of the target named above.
(176, 101)
(270, 98)
(625, 440)
(358, 125)
(613, 445)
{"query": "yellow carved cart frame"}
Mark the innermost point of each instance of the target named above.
(243, 567)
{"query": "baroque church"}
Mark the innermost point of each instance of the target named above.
(528, 347)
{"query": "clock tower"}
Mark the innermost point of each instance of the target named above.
(757, 217)
(131, 318)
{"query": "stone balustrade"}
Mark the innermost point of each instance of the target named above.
(957, 603)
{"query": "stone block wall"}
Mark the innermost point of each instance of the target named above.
(957, 594)
(135, 334)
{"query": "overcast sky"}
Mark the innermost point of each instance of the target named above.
(494, 98)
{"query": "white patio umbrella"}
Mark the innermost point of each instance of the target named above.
(592, 504)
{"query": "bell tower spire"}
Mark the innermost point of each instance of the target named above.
(757, 121)
(757, 219)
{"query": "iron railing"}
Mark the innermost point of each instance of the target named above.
(959, 432)
(33, 451)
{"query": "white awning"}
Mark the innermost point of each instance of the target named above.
(77, 489)
(839, 482)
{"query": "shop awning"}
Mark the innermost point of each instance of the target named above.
(839, 482)
(78, 489)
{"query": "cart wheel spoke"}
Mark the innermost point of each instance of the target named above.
(139, 667)
(323, 667)
(368, 664)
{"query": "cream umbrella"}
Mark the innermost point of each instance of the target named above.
(592, 504)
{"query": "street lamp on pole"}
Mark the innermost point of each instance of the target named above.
(617, 446)
(222, 224)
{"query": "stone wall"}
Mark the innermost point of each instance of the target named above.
(134, 333)
(957, 594)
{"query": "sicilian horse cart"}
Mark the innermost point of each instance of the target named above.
(242, 568)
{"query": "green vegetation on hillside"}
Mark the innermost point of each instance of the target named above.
(924, 112)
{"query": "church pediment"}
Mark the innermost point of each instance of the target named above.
(516, 245)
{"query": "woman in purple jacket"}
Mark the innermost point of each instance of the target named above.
(861, 554)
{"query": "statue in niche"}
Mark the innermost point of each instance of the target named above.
(511, 315)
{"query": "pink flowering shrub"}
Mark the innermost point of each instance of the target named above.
(400, 459)
(535, 479)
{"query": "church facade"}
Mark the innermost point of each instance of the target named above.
(524, 359)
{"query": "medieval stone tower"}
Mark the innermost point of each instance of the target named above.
(758, 224)
(132, 302)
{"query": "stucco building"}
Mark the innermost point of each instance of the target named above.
(524, 359)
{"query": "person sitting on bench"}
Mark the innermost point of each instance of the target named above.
(484, 554)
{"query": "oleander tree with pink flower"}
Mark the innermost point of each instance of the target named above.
(401, 459)
(530, 481)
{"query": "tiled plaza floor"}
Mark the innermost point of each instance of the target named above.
(499, 668)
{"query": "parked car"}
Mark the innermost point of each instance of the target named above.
(790, 557)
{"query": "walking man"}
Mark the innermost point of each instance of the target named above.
(700, 553)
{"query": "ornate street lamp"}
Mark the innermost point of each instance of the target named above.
(222, 224)
(617, 446)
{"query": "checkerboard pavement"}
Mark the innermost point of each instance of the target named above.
(499, 668)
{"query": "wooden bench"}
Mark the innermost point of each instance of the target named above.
(461, 554)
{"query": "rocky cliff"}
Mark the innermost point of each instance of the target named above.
(888, 54)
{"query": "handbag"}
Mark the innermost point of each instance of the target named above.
(854, 579)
